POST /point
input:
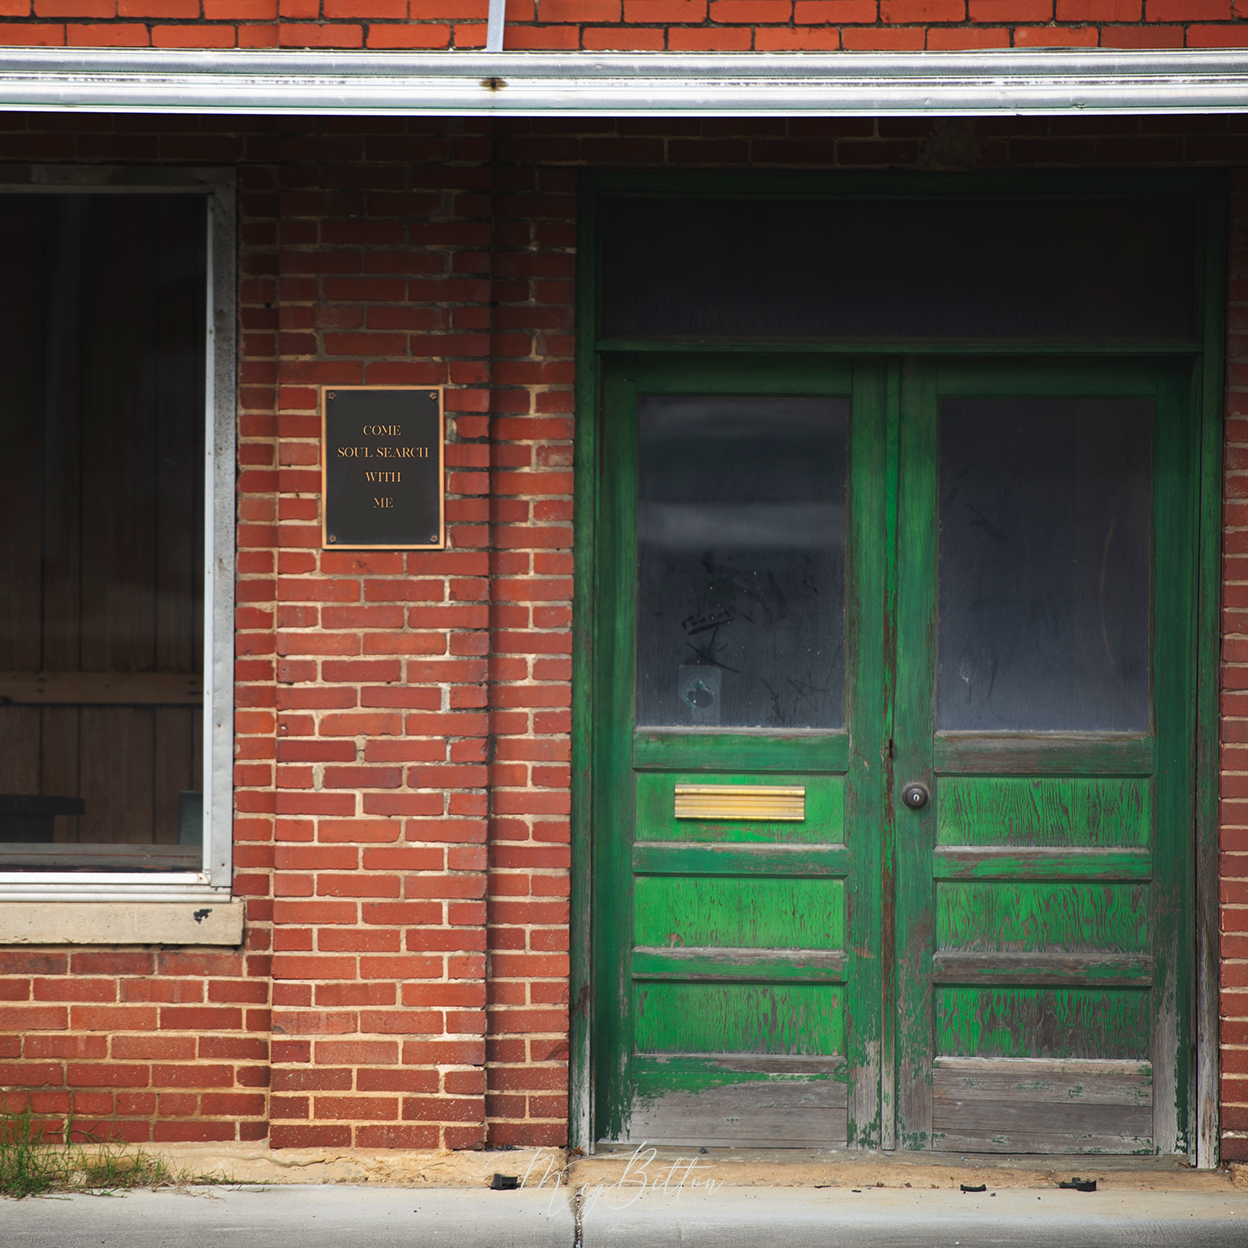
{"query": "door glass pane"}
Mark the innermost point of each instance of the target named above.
(1044, 564)
(741, 562)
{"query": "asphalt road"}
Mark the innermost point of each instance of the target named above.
(347, 1217)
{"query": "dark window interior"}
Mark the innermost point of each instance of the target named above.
(1114, 269)
(741, 562)
(1045, 544)
(102, 349)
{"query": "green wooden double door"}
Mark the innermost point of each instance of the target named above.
(893, 743)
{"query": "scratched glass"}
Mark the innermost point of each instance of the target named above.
(1044, 564)
(741, 562)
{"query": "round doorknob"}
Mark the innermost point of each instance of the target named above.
(915, 796)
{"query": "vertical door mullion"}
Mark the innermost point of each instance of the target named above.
(1175, 498)
(913, 727)
(614, 684)
(868, 647)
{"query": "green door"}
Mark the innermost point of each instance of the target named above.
(892, 732)
(1045, 699)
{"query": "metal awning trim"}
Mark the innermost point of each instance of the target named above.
(512, 84)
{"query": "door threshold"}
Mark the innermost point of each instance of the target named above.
(672, 1167)
(782, 1154)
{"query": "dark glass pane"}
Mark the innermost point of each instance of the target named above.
(991, 269)
(1044, 564)
(741, 562)
(102, 347)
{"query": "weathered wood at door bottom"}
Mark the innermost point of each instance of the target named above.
(747, 1100)
(1029, 1105)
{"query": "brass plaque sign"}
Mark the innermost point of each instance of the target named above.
(382, 478)
(741, 801)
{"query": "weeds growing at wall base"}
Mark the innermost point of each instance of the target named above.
(31, 1163)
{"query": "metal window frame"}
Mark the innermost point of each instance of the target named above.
(212, 882)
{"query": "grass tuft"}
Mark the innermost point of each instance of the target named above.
(40, 1155)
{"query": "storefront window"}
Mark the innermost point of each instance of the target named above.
(102, 619)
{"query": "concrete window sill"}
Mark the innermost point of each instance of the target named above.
(121, 923)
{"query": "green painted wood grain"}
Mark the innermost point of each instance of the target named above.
(913, 725)
(682, 858)
(712, 750)
(959, 862)
(1175, 499)
(656, 820)
(738, 911)
(738, 1018)
(1044, 969)
(657, 1075)
(869, 611)
(612, 692)
(1111, 1023)
(1043, 754)
(1042, 811)
(1042, 916)
(789, 965)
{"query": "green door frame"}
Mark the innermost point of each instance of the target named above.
(1206, 381)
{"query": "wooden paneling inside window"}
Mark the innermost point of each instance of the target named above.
(102, 343)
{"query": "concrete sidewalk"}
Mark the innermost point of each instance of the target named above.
(376, 1217)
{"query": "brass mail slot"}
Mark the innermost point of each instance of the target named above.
(741, 801)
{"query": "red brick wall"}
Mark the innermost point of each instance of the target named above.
(629, 25)
(402, 834)
(1234, 805)
(420, 792)
(136, 1044)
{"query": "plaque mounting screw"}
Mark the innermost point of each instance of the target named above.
(332, 538)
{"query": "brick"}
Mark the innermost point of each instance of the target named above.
(75, 8)
(31, 34)
(200, 1019)
(1055, 36)
(31, 1074)
(1099, 10)
(1011, 11)
(1217, 37)
(240, 10)
(1188, 10)
(100, 34)
(19, 962)
(153, 1047)
(909, 11)
(58, 1045)
(110, 1075)
(160, 8)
